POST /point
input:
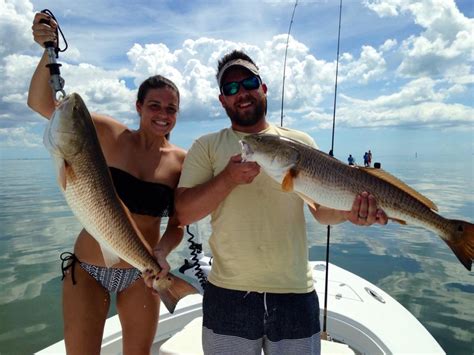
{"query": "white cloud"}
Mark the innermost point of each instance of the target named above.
(446, 41)
(370, 66)
(15, 26)
(193, 68)
(388, 45)
(102, 90)
(426, 114)
(418, 103)
(383, 8)
(416, 91)
(307, 79)
(15, 73)
(20, 137)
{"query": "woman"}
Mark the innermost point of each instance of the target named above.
(145, 168)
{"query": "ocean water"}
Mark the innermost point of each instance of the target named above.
(410, 263)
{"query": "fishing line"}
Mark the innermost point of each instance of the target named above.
(331, 152)
(284, 64)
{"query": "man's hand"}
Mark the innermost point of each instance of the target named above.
(364, 211)
(238, 172)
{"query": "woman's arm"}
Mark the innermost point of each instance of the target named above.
(169, 241)
(40, 94)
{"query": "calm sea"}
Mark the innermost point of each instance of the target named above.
(411, 264)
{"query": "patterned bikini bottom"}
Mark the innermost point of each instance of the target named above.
(112, 279)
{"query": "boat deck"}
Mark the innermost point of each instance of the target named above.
(359, 314)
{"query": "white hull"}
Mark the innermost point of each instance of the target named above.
(359, 314)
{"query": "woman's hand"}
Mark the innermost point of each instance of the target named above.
(160, 256)
(149, 277)
(44, 32)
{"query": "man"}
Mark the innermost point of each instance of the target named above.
(351, 159)
(260, 292)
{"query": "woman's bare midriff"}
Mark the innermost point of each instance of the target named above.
(88, 250)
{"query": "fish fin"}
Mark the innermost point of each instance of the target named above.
(308, 200)
(462, 242)
(287, 184)
(134, 225)
(179, 288)
(401, 221)
(387, 177)
(65, 173)
(62, 181)
(110, 258)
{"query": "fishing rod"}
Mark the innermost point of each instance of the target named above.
(331, 153)
(284, 64)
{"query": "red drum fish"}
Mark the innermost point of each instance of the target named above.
(323, 180)
(85, 181)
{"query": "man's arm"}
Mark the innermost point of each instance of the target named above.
(364, 212)
(195, 203)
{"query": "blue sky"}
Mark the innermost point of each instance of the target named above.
(405, 75)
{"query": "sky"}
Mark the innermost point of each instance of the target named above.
(405, 78)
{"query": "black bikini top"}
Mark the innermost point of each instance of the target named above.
(143, 197)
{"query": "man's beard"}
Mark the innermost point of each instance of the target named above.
(251, 118)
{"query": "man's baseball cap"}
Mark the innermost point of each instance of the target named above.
(237, 62)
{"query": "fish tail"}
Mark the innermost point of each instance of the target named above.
(178, 289)
(462, 242)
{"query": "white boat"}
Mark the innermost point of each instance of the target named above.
(361, 319)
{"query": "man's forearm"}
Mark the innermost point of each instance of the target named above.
(193, 204)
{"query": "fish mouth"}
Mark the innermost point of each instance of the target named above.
(247, 151)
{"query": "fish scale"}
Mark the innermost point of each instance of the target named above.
(324, 180)
(86, 183)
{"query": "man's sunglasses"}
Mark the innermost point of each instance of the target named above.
(233, 87)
